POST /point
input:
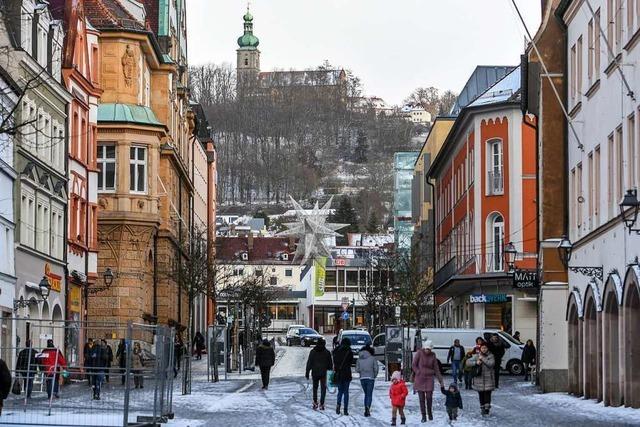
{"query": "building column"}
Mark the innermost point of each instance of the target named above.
(553, 337)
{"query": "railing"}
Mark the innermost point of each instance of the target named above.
(495, 184)
(484, 263)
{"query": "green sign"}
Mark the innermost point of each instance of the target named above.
(320, 265)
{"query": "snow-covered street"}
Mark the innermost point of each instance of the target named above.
(288, 402)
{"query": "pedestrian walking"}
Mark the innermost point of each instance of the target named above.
(137, 363)
(98, 359)
(85, 352)
(455, 356)
(398, 393)
(425, 369)
(335, 341)
(27, 366)
(109, 360)
(453, 400)
(121, 355)
(482, 365)
(479, 342)
(265, 359)
(318, 363)
(342, 361)
(5, 383)
(467, 370)
(53, 363)
(178, 351)
(528, 358)
(497, 349)
(367, 367)
(199, 344)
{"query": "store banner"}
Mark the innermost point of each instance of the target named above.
(320, 265)
(525, 279)
(75, 297)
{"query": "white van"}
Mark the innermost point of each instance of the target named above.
(442, 340)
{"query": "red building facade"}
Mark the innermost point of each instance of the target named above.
(485, 197)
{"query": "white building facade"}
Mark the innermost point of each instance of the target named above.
(8, 98)
(603, 309)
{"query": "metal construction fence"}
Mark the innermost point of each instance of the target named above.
(124, 378)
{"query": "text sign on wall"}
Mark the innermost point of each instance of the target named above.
(488, 299)
(525, 279)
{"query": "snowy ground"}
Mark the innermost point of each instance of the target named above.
(240, 402)
(288, 402)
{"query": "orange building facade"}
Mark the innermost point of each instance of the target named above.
(81, 79)
(485, 199)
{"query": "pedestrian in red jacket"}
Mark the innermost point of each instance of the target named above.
(398, 393)
(52, 362)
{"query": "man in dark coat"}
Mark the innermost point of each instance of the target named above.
(27, 366)
(98, 360)
(5, 382)
(528, 358)
(497, 349)
(121, 355)
(342, 361)
(109, 359)
(265, 359)
(318, 363)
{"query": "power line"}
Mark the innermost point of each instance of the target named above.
(546, 72)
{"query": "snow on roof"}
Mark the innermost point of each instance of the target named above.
(505, 89)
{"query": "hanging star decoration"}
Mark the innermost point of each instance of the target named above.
(312, 230)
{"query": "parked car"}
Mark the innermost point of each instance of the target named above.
(292, 331)
(358, 339)
(305, 337)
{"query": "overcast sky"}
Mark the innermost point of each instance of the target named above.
(394, 46)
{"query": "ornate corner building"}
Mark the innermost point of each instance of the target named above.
(143, 152)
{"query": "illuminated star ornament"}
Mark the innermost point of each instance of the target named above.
(311, 230)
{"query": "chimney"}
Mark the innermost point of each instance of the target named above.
(250, 241)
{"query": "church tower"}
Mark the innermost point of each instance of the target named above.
(248, 65)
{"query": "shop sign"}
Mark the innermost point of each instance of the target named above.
(488, 299)
(525, 279)
(75, 296)
(55, 281)
(340, 262)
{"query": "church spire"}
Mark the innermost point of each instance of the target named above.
(248, 41)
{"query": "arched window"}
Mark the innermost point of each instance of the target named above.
(495, 243)
(246, 61)
(495, 179)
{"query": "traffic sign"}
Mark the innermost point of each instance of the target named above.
(345, 315)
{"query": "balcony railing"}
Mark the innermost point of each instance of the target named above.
(482, 263)
(495, 184)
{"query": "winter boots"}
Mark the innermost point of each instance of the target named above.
(403, 420)
(346, 411)
(367, 411)
(322, 406)
(315, 406)
(484, 409)
(393, 421)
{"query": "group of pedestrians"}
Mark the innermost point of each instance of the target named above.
(52, 363)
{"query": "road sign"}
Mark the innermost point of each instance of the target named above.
(345, 315)
(398, 312)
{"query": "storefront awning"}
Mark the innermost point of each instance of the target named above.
(462, 284)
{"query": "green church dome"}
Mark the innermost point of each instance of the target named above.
(248, 40)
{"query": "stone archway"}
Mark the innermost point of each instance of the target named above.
(575, 348)
(631, 320)
(611, 346)
(590, 348)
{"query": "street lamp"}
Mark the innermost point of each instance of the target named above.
(44, 289)
(565, 247)
(108, 277)
(510, 253)
(629, 207)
